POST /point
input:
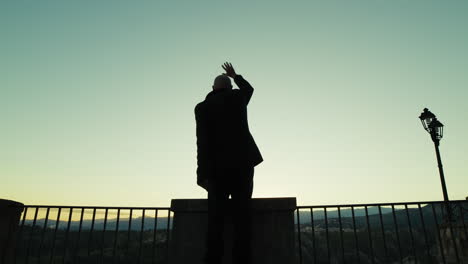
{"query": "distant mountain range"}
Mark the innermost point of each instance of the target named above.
(305, 215)
(404, 218)
(401, 216)
(111, 224)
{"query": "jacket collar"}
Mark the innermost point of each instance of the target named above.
(214, 92)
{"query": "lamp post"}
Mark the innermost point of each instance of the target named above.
(435, 128)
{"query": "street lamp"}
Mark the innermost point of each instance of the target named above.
(435, 128)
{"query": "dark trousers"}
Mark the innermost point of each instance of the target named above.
(238, 183)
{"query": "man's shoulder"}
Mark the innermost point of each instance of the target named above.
(199, 107)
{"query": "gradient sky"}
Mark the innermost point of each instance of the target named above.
(97, 97)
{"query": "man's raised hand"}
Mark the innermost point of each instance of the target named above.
(229, 69)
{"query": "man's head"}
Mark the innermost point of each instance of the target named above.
(222, 82)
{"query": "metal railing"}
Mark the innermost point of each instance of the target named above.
(416, 232)
(69, 234)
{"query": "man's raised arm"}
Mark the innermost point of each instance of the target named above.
(246, 90)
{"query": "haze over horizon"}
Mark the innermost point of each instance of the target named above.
(97, 97)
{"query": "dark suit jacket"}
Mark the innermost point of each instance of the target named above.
(223, 137)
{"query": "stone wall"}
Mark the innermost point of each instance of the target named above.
(272, 231)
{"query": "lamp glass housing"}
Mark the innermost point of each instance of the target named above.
(437, 129)
(426, 118)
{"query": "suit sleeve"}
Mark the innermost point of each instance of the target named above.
(246, 90)
(203, 161)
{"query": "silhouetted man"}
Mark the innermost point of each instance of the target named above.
(226, 157)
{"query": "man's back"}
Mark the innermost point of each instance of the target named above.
(226, 156)
(223, 136)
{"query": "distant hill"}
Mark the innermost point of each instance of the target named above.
(401, 216)
(111, 224)
(305, 215)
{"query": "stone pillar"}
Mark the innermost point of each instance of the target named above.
(10, 213)
(273, 239)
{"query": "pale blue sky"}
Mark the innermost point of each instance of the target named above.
(97, 97)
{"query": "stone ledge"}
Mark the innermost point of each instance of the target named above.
(258, 204)
(9, 203)
(272, 241)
